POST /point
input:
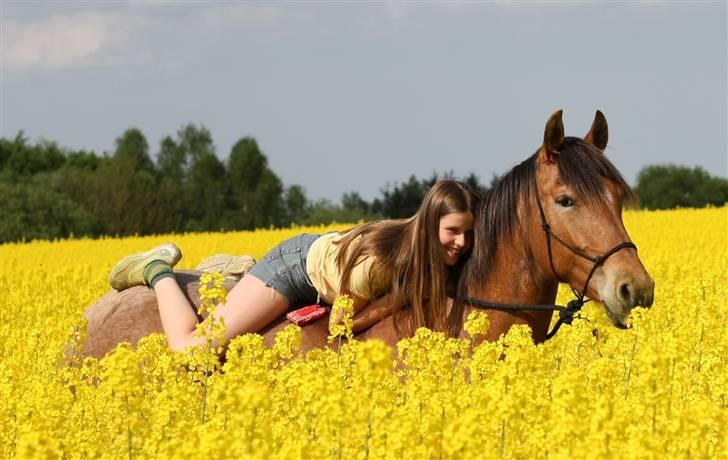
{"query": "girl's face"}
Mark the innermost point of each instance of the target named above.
(456, 235)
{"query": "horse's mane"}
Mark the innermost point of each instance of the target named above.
(581, 166)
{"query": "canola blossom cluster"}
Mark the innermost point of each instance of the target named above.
(657, 390)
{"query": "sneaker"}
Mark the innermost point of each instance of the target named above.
(130, 270)
(229, 266)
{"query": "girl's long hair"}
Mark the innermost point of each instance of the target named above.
(410, 250)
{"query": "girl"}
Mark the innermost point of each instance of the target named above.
(385, 265)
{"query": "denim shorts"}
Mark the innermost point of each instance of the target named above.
(284, 269)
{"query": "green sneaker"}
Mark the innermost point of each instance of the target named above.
(229, 266)
(130, 270)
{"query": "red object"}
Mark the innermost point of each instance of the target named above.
(308, 314)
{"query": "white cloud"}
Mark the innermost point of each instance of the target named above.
(73, 40)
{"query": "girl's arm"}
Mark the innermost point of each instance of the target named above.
(373, 312)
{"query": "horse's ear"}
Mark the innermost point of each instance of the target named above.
(553, 137)
(598, 135)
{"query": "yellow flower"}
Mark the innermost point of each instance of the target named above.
(660, 386)
(476, 324)
(288, 341)
(344, 308)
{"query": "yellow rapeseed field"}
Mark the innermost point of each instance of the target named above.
(657, 390)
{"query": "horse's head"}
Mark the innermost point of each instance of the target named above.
(581, 196)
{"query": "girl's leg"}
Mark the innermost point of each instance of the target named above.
(250, 306)
(143, 267)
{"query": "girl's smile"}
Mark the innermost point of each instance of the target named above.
(455, 235)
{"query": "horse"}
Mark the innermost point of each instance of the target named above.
(567, 192)
(556, 217)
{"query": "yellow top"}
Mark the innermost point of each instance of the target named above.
(369, 278)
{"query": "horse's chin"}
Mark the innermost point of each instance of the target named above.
(617, 312)
(619, 320)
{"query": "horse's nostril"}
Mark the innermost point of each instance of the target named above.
(625, 294)
(648, 299)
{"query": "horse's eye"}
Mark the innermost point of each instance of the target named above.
(565, 201)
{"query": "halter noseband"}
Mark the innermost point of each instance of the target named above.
(566, 314)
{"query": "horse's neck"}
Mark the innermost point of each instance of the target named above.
(515, 277)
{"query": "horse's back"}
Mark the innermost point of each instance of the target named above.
(118, 317)
(129, 315)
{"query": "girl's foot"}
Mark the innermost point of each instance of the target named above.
(130, 271)
(232, 266)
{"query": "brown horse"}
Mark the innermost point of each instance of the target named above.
(568, 182)
(556, 217)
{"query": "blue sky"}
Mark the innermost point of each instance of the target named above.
(352, 96)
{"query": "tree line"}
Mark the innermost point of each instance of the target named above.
(51, 192)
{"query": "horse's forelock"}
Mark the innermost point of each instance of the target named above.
(583, 168)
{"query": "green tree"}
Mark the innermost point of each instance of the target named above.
(255, 197)
(269, 208)
(76, 178)
(83, 160)
(126, 198)
(246, 164)
(403, 200)
(324, 211)
(670, 186)
(207, 193)
(32, 210)
(321, 211)
(132, 146)
(175, 157)
(178, 193)
(172, 164)
(195, 142)
(474, 182)
(296, 205)
(171, 160)
(111, 195)
(18, 158)
(352, 201)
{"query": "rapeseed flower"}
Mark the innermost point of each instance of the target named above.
(658, 389)
(343, 309)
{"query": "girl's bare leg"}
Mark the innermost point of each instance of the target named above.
(250, 306)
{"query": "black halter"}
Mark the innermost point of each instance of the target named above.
(567, 313)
